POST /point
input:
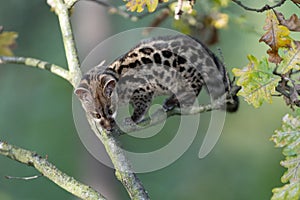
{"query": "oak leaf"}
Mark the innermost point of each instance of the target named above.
(257, 81)
(293, 23)
(276, 36)
(288, 138)
(291, 59)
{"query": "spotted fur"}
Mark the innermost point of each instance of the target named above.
(177, 66)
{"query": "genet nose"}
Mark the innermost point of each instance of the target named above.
(106, 125)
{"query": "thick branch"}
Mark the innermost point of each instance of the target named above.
(262, 9)
(50, 171)
(62, 12)
(124, 172)
(32, 62)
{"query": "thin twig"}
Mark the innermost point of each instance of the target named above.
(24, 178)
(50, 171)
(33, 62)
(160, 115)
(62, 12)
(122, 12)
(70, 3)
(262, 9)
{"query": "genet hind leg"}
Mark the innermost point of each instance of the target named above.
(140, 101)
(170, 103)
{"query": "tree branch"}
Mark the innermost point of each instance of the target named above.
(262, 9)
(160, 115)
(124, 172)
(70, 3)
(32, 62)
(62, 12)
(50, 171)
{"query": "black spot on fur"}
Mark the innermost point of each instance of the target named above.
(157, 58)
(142, 89)
(132, 65)
(167, 54)
(190, 69)
(133, 55)
(146, 60)
(174, 64)
(138, 62)
(146, 50)
(167, 63)
(181, 60)
(120, 69)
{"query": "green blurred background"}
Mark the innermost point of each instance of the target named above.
(36, 113)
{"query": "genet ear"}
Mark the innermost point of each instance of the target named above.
(109, 84)
(86, 98)
(82, 93)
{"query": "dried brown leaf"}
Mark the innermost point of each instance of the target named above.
(276, 36)
(293, 23)
(296, 1)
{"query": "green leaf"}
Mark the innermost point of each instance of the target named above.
(151, 5)
(288, 138)
(287, 192)
(7, 41)
(291, 59)
(257, 81)
(293, 173)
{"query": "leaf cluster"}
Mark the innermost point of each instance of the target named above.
(288, 138)
(203, 21)
(139, 5)
(278, 75)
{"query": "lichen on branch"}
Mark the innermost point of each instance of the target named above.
(50, 171)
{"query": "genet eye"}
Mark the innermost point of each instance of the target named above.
(109, 111)
(97, 116)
